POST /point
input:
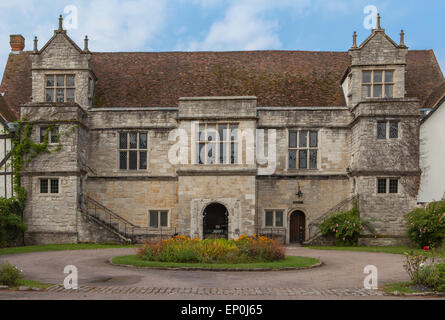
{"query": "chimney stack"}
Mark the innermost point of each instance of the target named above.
(17, 42)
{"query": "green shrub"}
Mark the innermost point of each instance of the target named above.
(428, 276)
(11, 225)
(345, 226)
(9, 274)
(184, 249)
(426, 227)
(424, 269)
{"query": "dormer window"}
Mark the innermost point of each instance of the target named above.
(377, 84)
(59, 88)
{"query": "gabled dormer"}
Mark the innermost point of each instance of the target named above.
(61, 71)
(377, 68)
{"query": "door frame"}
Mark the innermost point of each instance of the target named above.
(203, 215)
(289, 215)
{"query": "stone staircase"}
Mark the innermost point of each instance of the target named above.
(315, 236)
(109, 220)
(127, 232)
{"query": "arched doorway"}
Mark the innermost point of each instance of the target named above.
(215, 221)
(297, 227)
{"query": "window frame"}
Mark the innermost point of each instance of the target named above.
(274, 218)
(138, 151)
(383, 83)
(158, 211)
(65, 87)
(388, 181)
(49, 181)
(297, 149)
(227, 143)
(55, 130)
(388, 123)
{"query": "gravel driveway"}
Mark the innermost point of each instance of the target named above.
(340, 275)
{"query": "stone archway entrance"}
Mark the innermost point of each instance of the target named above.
(297, 227)
(215, 221)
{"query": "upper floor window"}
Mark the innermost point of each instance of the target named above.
(53, 135)
(133, 150)
(59, 88)
(303, 149)
(378, 84)
(387, 129)
(217, 144)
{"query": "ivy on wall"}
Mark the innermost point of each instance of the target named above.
(24, 150)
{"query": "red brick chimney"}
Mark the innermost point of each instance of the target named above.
(17, 42)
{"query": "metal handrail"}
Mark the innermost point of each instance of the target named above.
(115, 215)
(335, 209)
(128, 226)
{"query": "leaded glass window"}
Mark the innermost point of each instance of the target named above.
(273, 218)
(387, 129)
(387, 185)
(377, 84)
(59, 88)
(158, 218)
(303, 149)
(217, 144)
(49, 185)
(53, 135)
(133, 150)
(381, 185)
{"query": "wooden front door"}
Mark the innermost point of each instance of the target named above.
(297, 226)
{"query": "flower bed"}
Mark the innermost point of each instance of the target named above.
(182, 249)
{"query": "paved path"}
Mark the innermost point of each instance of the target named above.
(340, 276)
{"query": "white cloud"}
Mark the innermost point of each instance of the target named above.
(114, 25)
(249, 24)
(111, 25)
(243, 28)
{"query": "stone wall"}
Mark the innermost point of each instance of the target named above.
(133, 198)
(60, 56)
(235, 192)
(319, 195)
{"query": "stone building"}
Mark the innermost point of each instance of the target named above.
(219, 143)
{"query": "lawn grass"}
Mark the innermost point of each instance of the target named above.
(60, 247)
(398, 287)
(33, 284)
(289, 262)
(390, 249)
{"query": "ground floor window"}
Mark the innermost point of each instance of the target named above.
(49, 185)
(387, 185)
(158, 218)
(273, 218)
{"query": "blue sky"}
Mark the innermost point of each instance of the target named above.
(196, 25)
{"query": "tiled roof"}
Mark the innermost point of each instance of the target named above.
(17, 82)
(436, 96)
(7, 113)
(277, 78)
